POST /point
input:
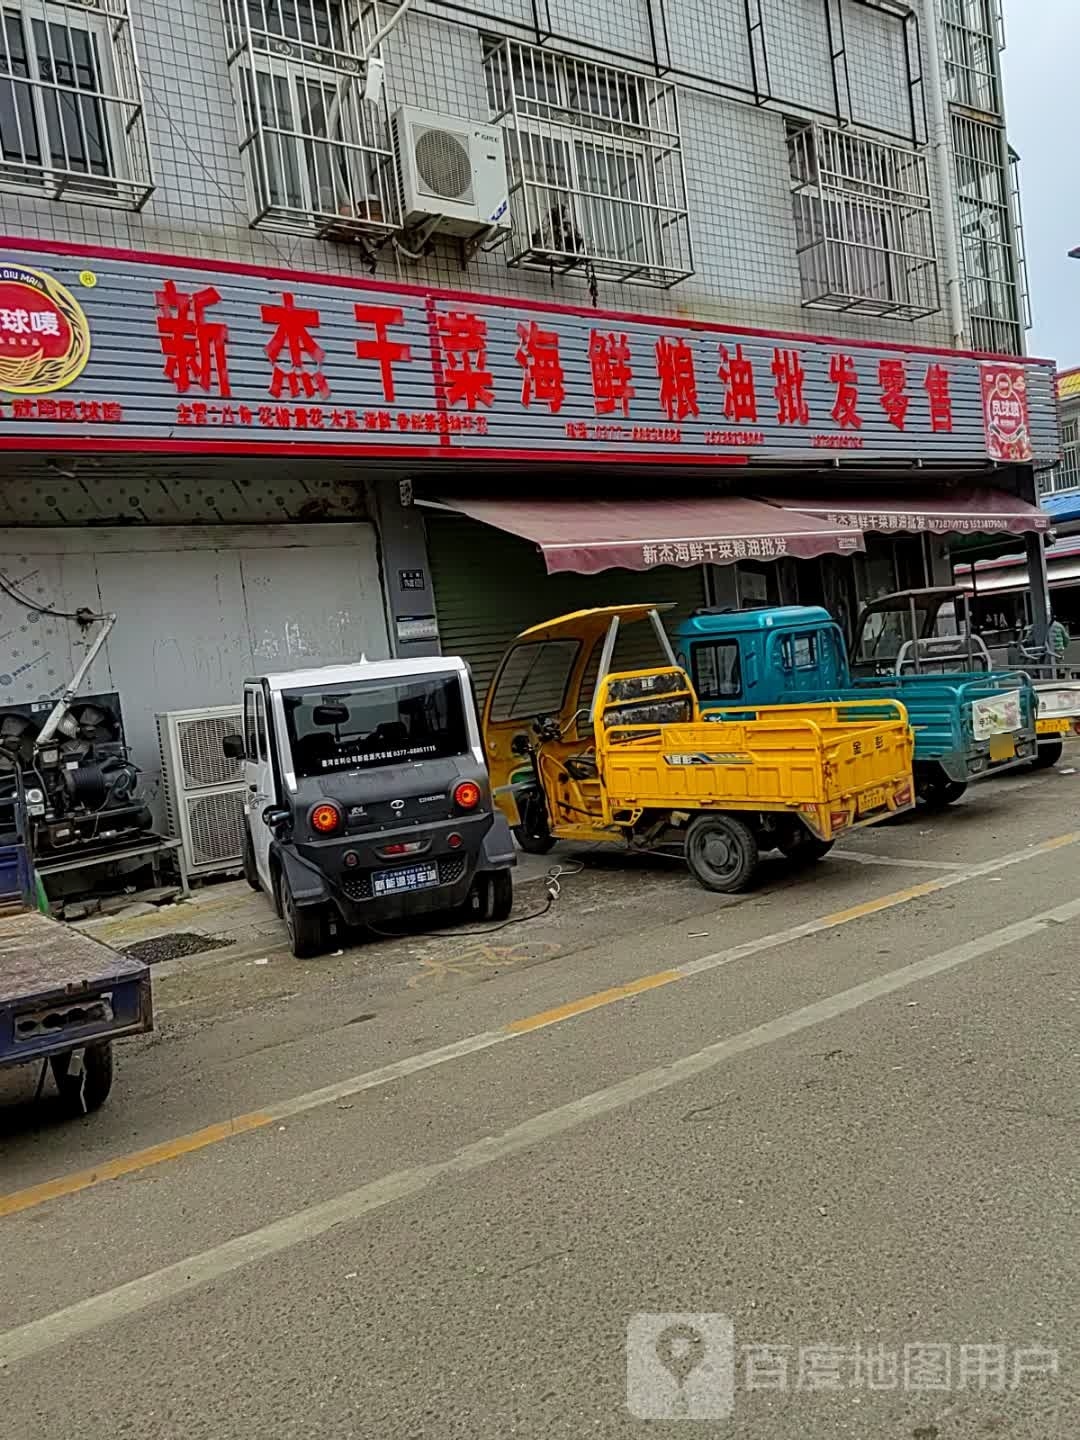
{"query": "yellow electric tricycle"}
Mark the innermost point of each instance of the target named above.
(579, 750)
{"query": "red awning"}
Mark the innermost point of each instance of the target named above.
(588, 535)
(942, 512)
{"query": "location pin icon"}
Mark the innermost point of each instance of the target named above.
(680, 1349)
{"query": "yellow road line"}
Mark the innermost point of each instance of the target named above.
(21, 1200)
(129, 1164)
(593, 1002)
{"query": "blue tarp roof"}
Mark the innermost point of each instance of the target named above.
(1063, 507)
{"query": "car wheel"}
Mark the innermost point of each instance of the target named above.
(251, 875)
(1048, 755)
(84, 1087)
(306, 925)
(500, 894)
(722, 853)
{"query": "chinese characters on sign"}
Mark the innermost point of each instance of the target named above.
(1005, 409)
(158, 349)
(892, 521)
(756, 547)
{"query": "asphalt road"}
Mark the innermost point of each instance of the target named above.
(812, 1155)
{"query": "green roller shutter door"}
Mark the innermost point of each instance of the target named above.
(489, 586)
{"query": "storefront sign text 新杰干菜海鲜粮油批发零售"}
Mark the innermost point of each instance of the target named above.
(102, 350)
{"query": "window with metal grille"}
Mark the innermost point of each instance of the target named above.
(993, 280)
(71, 114)
(864, 230)
(1066, 476)
(972, 33)
(595, 160)
(317, 153)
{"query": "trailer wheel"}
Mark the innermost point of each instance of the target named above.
(802, 846)
(722, 853)
(1047, 755)
(306, 925)
(84, 1087)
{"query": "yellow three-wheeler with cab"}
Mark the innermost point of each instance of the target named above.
(581, 751)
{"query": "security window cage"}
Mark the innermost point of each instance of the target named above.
(595, 164)
(317, 154)
(993, 276)
(72, 122)
(1066, 476)
(864, 224)
(973, 37)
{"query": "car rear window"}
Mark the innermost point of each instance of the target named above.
(388, 723)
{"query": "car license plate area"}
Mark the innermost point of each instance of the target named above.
(407, 877)
(1002, 747)
(875, 799)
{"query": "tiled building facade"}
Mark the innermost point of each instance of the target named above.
(642, 125)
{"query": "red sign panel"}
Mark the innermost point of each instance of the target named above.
(1005, 412)
(171, 353)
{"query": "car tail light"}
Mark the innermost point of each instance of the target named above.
(454, 841)
(839, 819)
(326, 819)
(467, 795)
(404, 848)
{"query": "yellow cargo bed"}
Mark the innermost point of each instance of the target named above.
(834, 765)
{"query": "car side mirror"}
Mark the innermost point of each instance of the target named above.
(274, 816)
(233, 747)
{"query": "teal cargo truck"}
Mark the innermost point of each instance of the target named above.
(966, 725)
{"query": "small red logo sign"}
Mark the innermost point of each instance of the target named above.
(1005, 412)
(44, 337)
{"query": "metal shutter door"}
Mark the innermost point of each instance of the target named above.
(489, 586)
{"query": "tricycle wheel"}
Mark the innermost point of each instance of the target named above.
(84, 1087)
(722, 853)
(306, 925)
(802, 846)
(1048, 755)
(251, 874)
(533, 834)
(937, 792)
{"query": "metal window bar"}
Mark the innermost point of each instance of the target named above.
(72, 120)
(864, 224)
(971, 31)
(1066, 475)
(1016, 203)
(318, 157)
(595, 167)
(987, 237)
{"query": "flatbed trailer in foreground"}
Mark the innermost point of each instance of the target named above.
(64, 999)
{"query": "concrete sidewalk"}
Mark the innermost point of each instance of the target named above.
(230, 912)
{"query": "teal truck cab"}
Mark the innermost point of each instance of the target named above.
(966, 725)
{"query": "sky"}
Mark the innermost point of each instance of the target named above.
(1042, 79)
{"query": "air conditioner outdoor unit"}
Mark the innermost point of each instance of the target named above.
(204, 789)
(451, 170)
